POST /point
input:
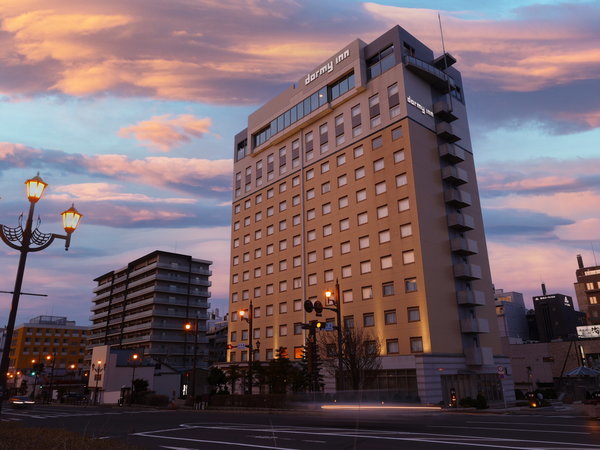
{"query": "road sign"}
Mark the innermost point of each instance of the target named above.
(501, 371)
(329, 326)
(241, 346)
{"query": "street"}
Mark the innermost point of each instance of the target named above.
(380, 429)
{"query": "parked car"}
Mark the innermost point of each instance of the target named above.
(20, 401)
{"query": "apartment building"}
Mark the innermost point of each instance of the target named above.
(362, 172)
(146, 304)
(587, 291)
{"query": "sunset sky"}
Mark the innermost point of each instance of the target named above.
(129, 107)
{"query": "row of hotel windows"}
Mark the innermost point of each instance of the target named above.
(590, 286)
(387, 289)
(323, 129)
(391, 347)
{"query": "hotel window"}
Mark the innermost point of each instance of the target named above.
(282, 160)
(399, 156)
(361, 195)
(270, 249)
(282, 206)
(296, 240)
(416, 345)
(341, 159)
(376, 143)
(269, 289)
(365, 267)
(236, 260)
(234, 297)
(296, 220)
(328, 275)
(327, 230)
(410, 284)
(393, 100)
(362, 218)
(403, 204)
(312, 279)
(248, 179)
(384, 236)
(347, 296)
(245, 275)
(401, 180)
(589, 286)
(356, 120)
(246, 257)
(359, 173)
(413, 314)
(387, 288)
(312, 257)
(324, 138)
(237, 208)
(391, 346)
(368, 320)
(245, 295)
(234, 316)
(346, 271)
(296, 181)
(382, 212)
(297, 283)
(348, 321)
(345, 247)
(238, 183)
(325, 187)
(380, 188)
(246, 221)
(233, 337)
(326, 208)
(396, 133)
(270, 166)
(256, 333)
(269, 311)
(270, 230)
(258, 216)
(296, 153)
(327, 252)
(257, 272)
(389, 316)
(408, 257)
(311, 235)
(236, 225)
(339, 130)
(298, 328)
(342, 180)
(325, 167)
(406, 230)
(310, 194)
(232, 357)
(270, 211)
(378, 165)
(382, 61)
(256, 311)
(593, 300)
(256, 292)
(282, 265)
(282, 187)
(247, 204)
(374, 114)
(297, 261)
(343, 202)
(269, 268)
(367, 292)
(270, 193)
(311, 214)
(344, 224)
(283, 308)
(310, 174)
(358, 152)
(386, 262)
(295, 200)
(269, 354)
(258, 199)
(282, 225)
(363, 242)
(297, 305)
(269, 332)
(308, 145)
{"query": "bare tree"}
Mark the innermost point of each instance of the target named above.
(360, 355)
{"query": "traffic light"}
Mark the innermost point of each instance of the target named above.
(308, 306)
(229, 347)
(318, 308)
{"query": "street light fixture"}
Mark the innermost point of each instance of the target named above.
(97, 376)
(25, 241)
(334, 304)
(134, 359)
(250, 347)
(52, 358)
(193, 327)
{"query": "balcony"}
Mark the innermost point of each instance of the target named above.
(438, 79)
(457, 198)
(455, 175)
(479, 356)
(464, 246)
(470, 298)
(446, 132)
(461, 222)
(465, 271)
(443, 111)
(452, 153)
(473, 325)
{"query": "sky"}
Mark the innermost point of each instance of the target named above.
(128, 109)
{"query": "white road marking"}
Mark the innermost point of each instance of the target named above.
(509, 429)
(527, 423)
(206, 441)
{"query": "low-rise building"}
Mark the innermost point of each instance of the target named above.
(511, 314)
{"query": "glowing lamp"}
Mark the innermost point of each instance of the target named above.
(242, 313)
(35, 188)
(71, 218)
(135, 356)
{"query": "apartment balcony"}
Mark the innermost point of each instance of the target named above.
(455, 175)
(452, 153)
(474, 325)
(465, 271)
(445, 131)
(464, 246)
(461, 222)
(432, 75)
(457, 198)
(443, 111)
(479, 356)
(470, 298)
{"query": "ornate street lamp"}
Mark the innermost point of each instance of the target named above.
(248, 319)
(134, 359)
(189, 326)
(97, 369)
(25, 241)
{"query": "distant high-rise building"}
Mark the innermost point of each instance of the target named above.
(146, 304)
(556, 316)
(511, 313)
(587, 291)
(363, 172)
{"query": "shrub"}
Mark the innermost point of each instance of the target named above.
(156, 400)
(466, 402)
(481, 402)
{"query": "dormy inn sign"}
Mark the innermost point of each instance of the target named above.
(326, 68)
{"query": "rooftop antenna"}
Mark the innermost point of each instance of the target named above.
(445, 60)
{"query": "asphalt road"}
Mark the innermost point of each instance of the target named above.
(316, 430)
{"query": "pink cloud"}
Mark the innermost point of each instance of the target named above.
(106, 192)
(165, 132)
(584, 230)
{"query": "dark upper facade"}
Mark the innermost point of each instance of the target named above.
(587, 290)
(556, 317)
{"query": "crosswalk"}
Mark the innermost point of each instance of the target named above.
(14, 415)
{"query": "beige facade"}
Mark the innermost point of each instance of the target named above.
(371, 184)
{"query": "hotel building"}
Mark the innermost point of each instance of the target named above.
(587, 290)
(362, 172)
(145, 305)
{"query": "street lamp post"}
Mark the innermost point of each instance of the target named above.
(22, 239)
(248, 319)
(188, 327)
(53, 358)
(338, 312)
(33, 365)
(97, 375)
(134, 359)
